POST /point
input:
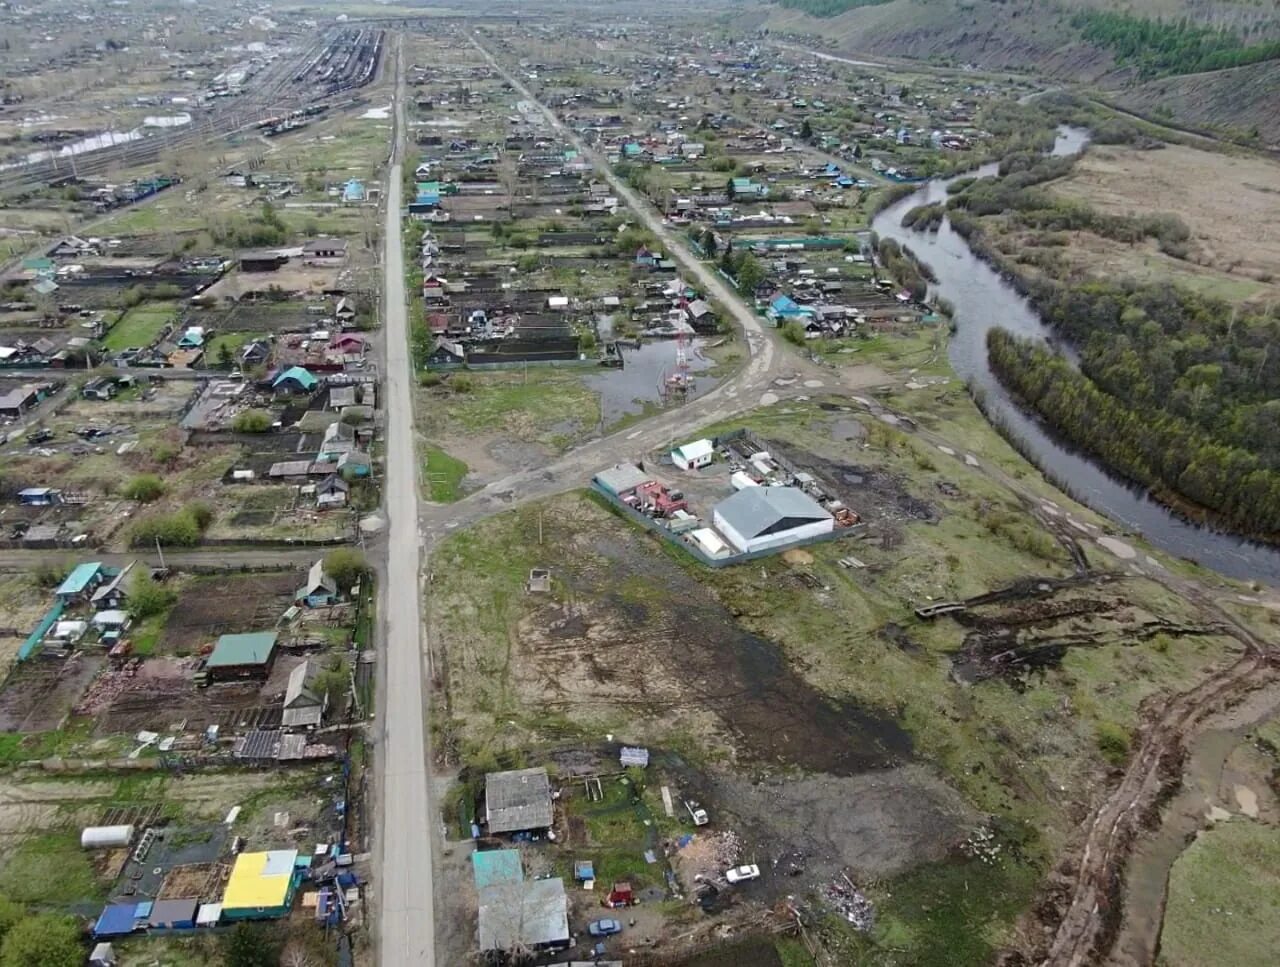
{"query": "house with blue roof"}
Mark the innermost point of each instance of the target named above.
(119, 920)
(353, 192)
(83, 580)
(295, 379)
(784, 308)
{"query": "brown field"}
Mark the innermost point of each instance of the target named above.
(1231, 204)
(210, 607)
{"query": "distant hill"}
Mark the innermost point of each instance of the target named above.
(1202, 63)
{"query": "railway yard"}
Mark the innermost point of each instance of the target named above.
(515, 421)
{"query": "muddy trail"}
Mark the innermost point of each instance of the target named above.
(653, 637)
(1081, 910)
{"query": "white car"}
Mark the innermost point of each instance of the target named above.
(740, 874)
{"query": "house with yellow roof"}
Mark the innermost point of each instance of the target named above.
(261, 886)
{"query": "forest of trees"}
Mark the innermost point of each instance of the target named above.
(1156, 448)
(828, 8)
(1157, 47)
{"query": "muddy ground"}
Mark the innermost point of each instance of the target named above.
(41, 692)
(804, 831)
(638, 633)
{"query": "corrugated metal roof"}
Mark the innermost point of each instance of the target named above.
(494, 866)
(530, 914)
(79, 578)
(253, 648)
(517, 800)
(753, 511)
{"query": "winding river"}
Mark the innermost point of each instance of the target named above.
(983, 300)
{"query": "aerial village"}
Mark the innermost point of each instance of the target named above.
(190, 435)
(655, 537)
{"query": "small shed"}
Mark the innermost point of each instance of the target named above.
(708, 541)
(81, 582)
(116, 920)
(303, 706)
(209, 914)
(103, 955)
(621, 479)
(694, 456)
(39, 497)
(173, 914)
(634, 756)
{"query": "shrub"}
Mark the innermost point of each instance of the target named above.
(346, 566)
(793, 332)
(461, 383)
(144, 488)
(1113, 743)
(428, 378)
(182, 528)
(147, 597)
(252, 421)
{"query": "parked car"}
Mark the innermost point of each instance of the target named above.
(604, 928)
(740, 874)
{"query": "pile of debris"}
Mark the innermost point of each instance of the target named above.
(848, 901)
(705, 856)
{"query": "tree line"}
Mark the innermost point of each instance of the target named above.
(828, 8)
(1157, 47)
(1152, 447)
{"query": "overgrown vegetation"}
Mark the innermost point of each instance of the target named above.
(1136, 428)
(181, 528)
(252, 421)
(1157, 47)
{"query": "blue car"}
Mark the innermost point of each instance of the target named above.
(604, 928)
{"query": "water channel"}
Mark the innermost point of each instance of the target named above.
(982, 300)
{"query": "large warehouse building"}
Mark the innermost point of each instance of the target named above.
(759, 518)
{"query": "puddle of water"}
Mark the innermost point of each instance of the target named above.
(640, 380)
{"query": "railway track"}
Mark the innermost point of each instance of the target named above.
(341, 61)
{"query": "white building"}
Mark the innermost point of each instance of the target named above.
(758, 518)
(693, 456)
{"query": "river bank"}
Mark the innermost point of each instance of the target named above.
(983, 300)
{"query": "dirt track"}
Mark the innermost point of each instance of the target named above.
(1093, 892)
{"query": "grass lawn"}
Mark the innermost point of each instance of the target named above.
(146, 633)
(139, 326)
(1224, 899)
(546, 406)
(234, 341)
(444, 476)
(50, 869)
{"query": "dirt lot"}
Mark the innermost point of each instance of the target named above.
(161, 697)
(209, 607)
(1231, 204)
(41, 692)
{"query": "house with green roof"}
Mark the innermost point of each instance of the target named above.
(83, 580)
(248, 655)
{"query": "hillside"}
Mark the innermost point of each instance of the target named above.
(1134, 54)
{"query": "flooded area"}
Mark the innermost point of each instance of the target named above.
(984, 300)
(642, 380)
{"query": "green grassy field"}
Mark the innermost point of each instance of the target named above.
(139, 326)
(50, 868)
(1224, 899)
(443, 476)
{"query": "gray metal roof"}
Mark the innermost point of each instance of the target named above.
(622, 477)
(517, 800)
(531, 913)
(756, 511)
